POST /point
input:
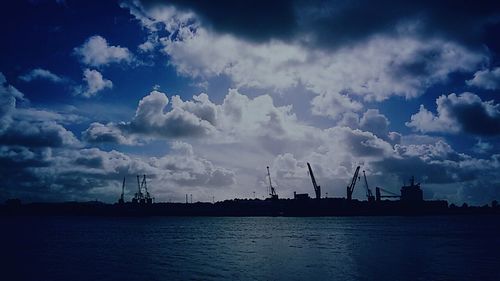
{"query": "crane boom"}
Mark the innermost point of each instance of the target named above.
(272, 190)
(317, 188)
(369, 194)
(139, 186)
(123, 189)
(144, 185)
(350, 188)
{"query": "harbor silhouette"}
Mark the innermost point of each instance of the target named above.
(384, 203)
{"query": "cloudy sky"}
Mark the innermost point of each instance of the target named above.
(202, 95)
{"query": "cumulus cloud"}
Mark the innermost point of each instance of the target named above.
(375, 122)
(444, 173)
(187, 169)
(344, 66)
(384, 65)
(277, 65)
(8, 98)
(94, 83)
(256, 130)
(97, 52)
(150, 118)
(84, 174)
(33, 133)
(257, 122)
(40, 73)
(486, 79)
(185, 119)
(29, 127)
(459, 113)
(371, 121)
(106, 133)
(34, 151)
(236, 117)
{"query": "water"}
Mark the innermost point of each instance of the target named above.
(331, 248)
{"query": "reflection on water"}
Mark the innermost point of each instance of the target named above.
(358, 248)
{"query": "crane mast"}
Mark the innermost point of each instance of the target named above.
(317, 188)
(142, 195)
(272, 190)
(369, 194)
(139, 193)
(350, 188)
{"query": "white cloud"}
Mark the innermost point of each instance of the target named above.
(29, 127)
(374, 122)
(44, 161)
(28, 133)
(463, 113)
(258, 133)
(109, 133)
(486, 79)
(39, 133)
(371, 121)
(8, 98)
(86, 174)
(254, 121)
(39, 73)
(254, 129)
(425, 121)
(95, 83)
(375, 69)
(188, 169)
(96, 52)
(150, 118)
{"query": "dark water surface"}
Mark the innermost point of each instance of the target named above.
(251, 248)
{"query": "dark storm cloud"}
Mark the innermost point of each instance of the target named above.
(347, 21)
(334, 23)
(37, 134)
(28, 127)
(257, 20)
(466, 112)
(476, 119)
(15, 158)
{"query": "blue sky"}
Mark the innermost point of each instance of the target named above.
(202, 96)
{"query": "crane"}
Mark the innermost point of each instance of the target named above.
(142, 196)
(272, 190)
(139, 191)
(147, 197)
(122, 200)
(369, 194)
(317, 188)
(350, 188)
(138, 195)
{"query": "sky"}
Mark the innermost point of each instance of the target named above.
(201, 96)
